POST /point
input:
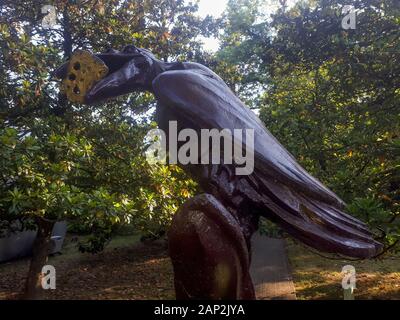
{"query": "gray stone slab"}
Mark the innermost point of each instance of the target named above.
(270, 269)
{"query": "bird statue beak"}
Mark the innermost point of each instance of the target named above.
(89, 78)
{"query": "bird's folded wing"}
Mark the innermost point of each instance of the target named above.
(301, 204)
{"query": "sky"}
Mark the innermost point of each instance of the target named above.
(216, 8)
(212, 7)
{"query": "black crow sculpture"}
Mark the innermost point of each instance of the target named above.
(209, 239)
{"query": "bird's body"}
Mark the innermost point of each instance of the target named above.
(279, 188)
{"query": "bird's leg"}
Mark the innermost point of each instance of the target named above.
(208, 252)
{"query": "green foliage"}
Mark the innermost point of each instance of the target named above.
(37, 181)
(329, 95)
(269, 229)
(374, 213)
(370, 210)
(61, 161)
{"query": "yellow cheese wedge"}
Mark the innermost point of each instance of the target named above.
(84, 70)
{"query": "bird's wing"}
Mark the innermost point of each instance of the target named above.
(200, 95)
(203, 97)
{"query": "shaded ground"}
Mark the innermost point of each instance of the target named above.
(316, 277)
(125, 270)
(131, 270)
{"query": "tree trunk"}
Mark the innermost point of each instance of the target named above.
(41, 247)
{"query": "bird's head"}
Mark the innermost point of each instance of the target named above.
(128, 70)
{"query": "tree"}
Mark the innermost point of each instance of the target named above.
(331, 96)
(66, 161)
(243, 51)
(345, 83)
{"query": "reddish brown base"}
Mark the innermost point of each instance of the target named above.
(209, 253)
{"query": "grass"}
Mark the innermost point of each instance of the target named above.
(318, 278)
(126, 269)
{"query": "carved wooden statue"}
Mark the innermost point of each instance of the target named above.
(209, 240)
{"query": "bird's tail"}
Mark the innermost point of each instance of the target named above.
(319, 225)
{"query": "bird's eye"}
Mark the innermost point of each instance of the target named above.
(130, 49)
(111, 50)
